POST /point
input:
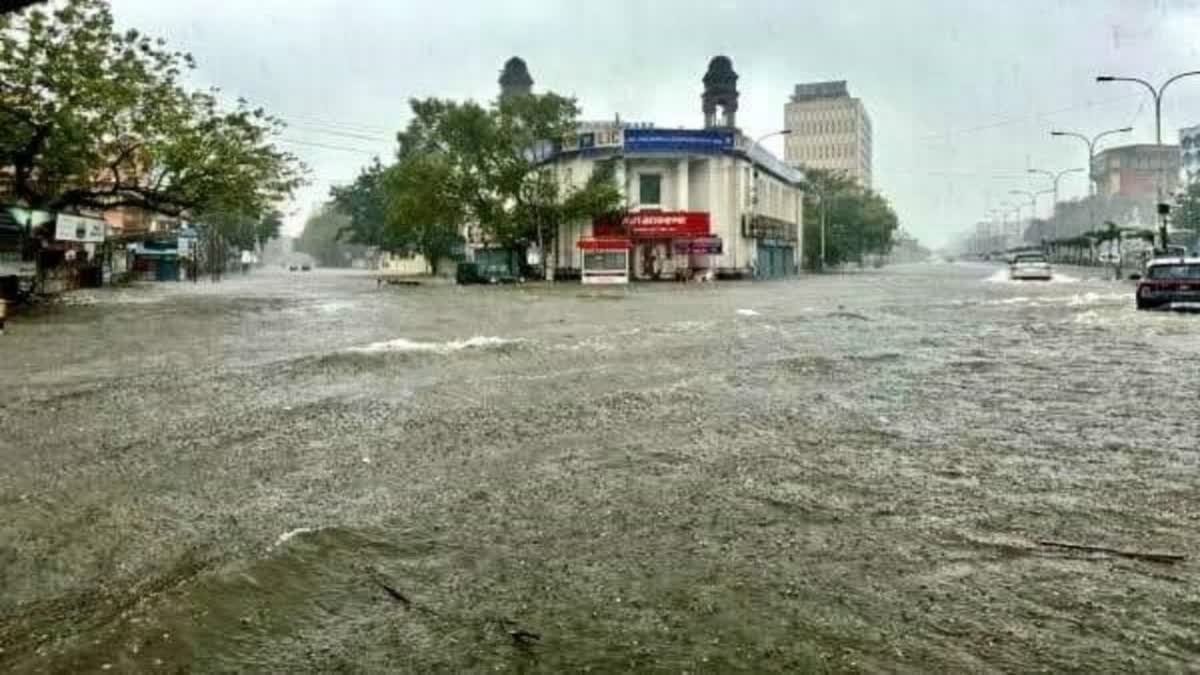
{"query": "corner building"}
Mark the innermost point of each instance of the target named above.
(697, 201)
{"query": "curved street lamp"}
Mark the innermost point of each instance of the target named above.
(1054, 179)
(1032, 202)
(1091, 146)
(1157, 94)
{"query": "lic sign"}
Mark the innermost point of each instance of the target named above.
(698, 141)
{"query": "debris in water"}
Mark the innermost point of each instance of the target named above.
(395, 594)
(1136, 555)
(286, 536)
(406, 345)
(523, 637)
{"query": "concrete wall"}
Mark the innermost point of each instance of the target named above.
(395, 264)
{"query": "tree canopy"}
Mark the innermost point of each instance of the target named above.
(92, 117)
(463, 163)
(858, 221)
(362, 202)
(8, 6)
(241, 229)
(320, 238)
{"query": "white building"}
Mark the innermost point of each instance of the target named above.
(697, 200)
(829, 130)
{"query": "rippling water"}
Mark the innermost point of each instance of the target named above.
(299, 473)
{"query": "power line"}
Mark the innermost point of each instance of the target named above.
(328, 146)
(1027, 118)
(343, 134)
(357, 127)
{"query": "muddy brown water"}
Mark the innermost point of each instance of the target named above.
(295, 473)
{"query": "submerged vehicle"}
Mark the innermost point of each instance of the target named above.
(1029, 267)
(1170, 283)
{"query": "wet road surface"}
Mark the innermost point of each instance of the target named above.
(305, 473)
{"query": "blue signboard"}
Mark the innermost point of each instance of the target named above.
(706, 141)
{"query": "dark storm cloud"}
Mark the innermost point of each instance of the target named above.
(962, 94)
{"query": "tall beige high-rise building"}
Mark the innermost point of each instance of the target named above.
(830, 129)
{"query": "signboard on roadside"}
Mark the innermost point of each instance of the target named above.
(592, 138)
(710, 245)
(78, 228)
(700, 141)
(656, 225)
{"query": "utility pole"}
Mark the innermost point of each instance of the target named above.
(1054, 178)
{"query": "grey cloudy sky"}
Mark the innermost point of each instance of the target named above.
(962, 93)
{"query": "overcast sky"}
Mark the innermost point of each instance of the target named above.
(962, 93)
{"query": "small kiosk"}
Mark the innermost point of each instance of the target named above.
(605, 260)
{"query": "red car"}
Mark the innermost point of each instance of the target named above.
(1170, 283)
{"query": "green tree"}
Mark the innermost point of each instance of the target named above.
(363, 203)
(857, 222)
(7, 6)
(268, 227)
(320, 237)
(463, 163)
(424, 213)
(91, 117)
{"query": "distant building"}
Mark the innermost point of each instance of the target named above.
(1135, 170)
(1189, 145)
(829, 130)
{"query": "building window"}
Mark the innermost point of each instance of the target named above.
(650, 189)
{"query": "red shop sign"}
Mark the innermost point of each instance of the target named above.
(656, 225)
(604, 244)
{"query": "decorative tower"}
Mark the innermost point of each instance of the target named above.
(720, 90)
(515, 79)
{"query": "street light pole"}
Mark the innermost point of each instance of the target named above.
(1008, 207)
(1054, 178)
(1091, 146)
(1032, 208)
(1091, 165)
(1162, 170)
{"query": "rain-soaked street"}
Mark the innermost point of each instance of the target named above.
(302, 472)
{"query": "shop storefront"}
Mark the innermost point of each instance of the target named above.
(605, 260)
(776, 241)
(688, 196)
(665, 244)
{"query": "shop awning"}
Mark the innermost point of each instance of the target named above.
(604, 244)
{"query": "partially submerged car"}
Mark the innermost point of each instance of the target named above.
(475, 273)
(1029, 267)
(1170, 283)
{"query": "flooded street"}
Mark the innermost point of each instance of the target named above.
(293, 472)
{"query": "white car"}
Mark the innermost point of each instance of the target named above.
(1029, 267)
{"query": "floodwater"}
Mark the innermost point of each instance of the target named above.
(303, 472)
